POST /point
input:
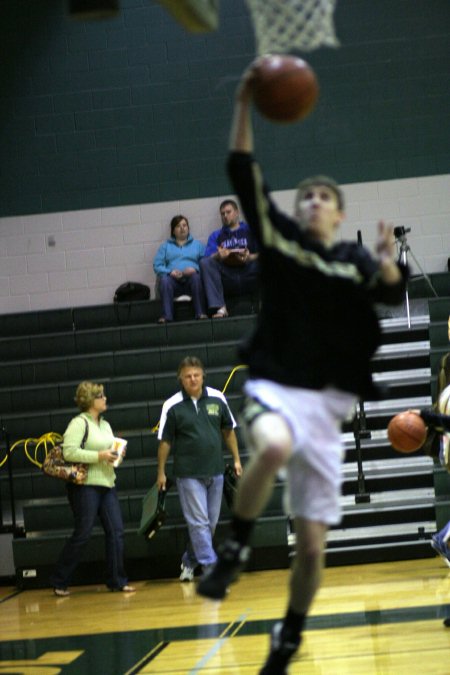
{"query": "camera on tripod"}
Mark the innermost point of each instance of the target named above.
(401, 231)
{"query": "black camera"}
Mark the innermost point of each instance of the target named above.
(401, 231)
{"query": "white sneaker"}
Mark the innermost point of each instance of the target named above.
(187, 573)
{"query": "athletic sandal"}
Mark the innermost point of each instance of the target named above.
(61, 592)
(221, 313)
(123, 589)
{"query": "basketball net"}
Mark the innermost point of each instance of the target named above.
(284, 25)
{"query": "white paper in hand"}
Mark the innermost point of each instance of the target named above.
(119, 446)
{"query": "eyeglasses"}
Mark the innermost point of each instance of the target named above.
(99, 396)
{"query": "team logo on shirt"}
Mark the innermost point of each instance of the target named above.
(213, 409)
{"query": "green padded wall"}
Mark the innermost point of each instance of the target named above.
(135, 109)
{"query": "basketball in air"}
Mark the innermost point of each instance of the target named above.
(284, 88)
(407, 432)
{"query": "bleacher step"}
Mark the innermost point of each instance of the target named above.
(397, 520)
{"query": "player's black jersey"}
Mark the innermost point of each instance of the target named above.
(438, 421)
(317, 326)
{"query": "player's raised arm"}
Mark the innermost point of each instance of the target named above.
(241, 134)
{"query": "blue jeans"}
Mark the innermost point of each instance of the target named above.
(170, 288)
(86, 502)
(200, 500)
(219, 279)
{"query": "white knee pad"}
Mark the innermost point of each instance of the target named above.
(270, 430)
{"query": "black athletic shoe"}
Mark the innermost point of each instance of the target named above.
(281, 652)
(232, 558)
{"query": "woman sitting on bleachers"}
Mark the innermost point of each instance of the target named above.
(176, 265)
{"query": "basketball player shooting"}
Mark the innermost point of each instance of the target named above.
(308, 361)
(439, 421)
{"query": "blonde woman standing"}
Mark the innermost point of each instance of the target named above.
(97, 496)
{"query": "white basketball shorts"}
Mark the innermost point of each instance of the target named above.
(314, 472)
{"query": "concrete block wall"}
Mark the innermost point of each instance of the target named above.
(75, 258)
(109, 128)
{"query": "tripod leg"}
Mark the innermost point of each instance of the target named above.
(424, 274)
(404, 259)
(408, 313)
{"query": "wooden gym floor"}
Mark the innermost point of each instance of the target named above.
(383, 619)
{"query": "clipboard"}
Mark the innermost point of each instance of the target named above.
(153, 510)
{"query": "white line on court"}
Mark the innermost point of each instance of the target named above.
(218, 645)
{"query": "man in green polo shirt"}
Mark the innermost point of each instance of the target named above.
(193, 423)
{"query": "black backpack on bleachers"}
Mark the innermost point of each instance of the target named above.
(131, 291)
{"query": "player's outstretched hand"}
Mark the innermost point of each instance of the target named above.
(385, 244)
(385, 253)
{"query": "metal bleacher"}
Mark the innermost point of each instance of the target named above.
(43, 356)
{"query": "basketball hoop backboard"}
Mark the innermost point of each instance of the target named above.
(198, 16)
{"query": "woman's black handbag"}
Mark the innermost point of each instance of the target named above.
(131, 291)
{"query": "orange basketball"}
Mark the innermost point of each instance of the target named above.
(407, 432)
(285, 88)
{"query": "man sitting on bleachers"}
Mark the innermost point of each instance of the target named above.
(230, 262)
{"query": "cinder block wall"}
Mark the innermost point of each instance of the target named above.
(107, 129)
